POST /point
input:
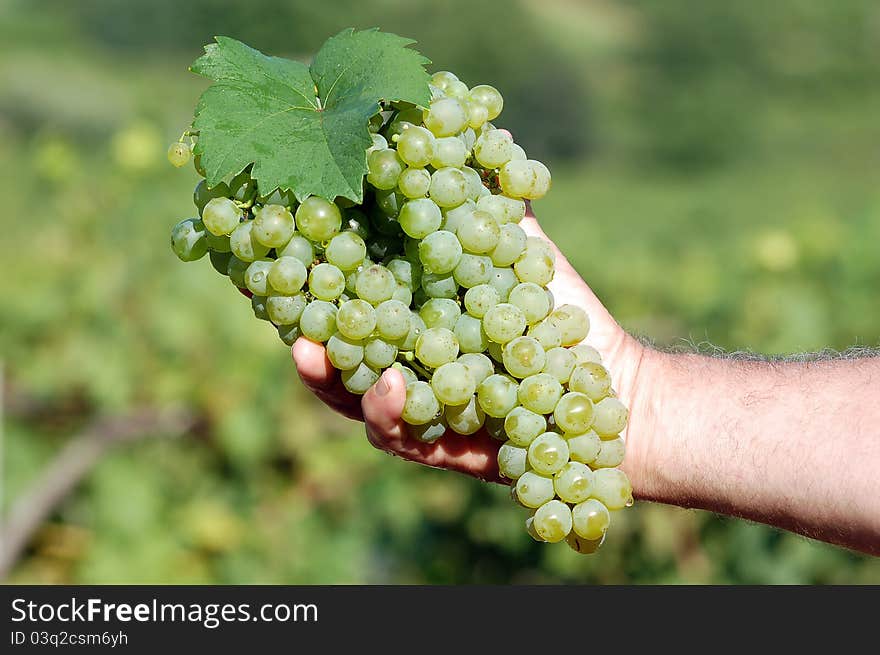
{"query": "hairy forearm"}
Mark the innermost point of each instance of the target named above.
(795, 444)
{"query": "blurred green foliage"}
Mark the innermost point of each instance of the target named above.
(716, 178)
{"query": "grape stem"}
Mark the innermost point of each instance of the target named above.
(409, 359)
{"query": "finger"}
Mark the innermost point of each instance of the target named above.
(319, 377)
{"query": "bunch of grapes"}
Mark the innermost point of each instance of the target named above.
(433, 275)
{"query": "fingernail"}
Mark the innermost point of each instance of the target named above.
(382, 386)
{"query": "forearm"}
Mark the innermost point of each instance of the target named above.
(791, 444)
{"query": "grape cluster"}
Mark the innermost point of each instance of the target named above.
(433, 275)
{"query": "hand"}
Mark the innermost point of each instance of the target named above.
(381, 406)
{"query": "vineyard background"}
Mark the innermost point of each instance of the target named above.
(716, 179)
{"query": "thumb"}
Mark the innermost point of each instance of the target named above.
(382, 406)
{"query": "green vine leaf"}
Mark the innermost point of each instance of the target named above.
(303, 128)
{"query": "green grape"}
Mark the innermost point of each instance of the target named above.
(497, 395)
(512, 462)
(470, 334)
(260, 308)
(583, 546)
(242, 187)
(523, 357)
(445, 117)
(475, 183)
(449, 187)
(517, 152)
(609, 417)
(591, 379)
(406, 272)
(472, 270)
(584, 353)
(408, 374)
(547, 334)
(285, 310)
(392, 319)
(480, 234)
(287, 275)
(560, 364)
(217, 244)
(344, 353)
(244, 245)
(202, 194)
(421, 404)
(572, 322)
(220, 216)
(510, 246)
(611, 453)
(289, 333)
(220, 261)
(416, 327)
(530, 526)
(456, 216)
(584, 447)
(430, 431)
(541, 183)
(493, 148)
(612, 488)
(359, 379)
(448, 151)
(504, 322)
(440, 312)
(478, 365)
(488, 97)
(548, 453)
(590, 519)
(437, 285)
(188, 240)
(403, 294)
(414, 182)
(553, 521)
(516, 177)
(277, 197)
(419, 217)
(356, 319)
(452, 383)
(346, 251)
(379, 143)
(466, 418)
(540, 393)
(317, 219)
(375, 284)
(442, 79)
(440, 252)
(326, 282)
(235, 270)
(477, 115)
(256, 276)
(573, 482)
(436, 346)
(574, 412)
(416, 147)
(502, 208)
(534, 267)
(378, 353)
(532, 300)
(318, 321)
(384, 168)
(534, 489)
(178, 154)
(523, 425)
(456, 89)
(480, 299)
(503, 279)
(299, 247)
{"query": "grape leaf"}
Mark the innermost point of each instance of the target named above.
(303, 128)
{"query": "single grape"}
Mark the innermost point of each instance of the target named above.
(440, 252)
(553, 521)
(299, 247)
(449, 187)
(612, 488)
(385, 166)
(378, 353)
(534, 267)
(318, 321)
(548, 453)
(178, 154)
(470, 334)
(523, 425)
(475, 184)
(591, 379)
(289, 333)
(504, 322)
(202, 194)
(583, 447)
(572, 322)
(344, 353)
(414, 182)
(442, 79)
(541, 183)
(439, 285)
(356, 319)
(512, 461)
(609, 417)
(392, 319)
(244, 245)
(480, 299)
(456, 89)
(523, 357)
(534, 489)
(375, 284)
(287, 275)
(540, 393)
(611, 454)
(574, 412)
(472, 270)
(497, 395)
(510, 246)
(285, 310)
(408, 374)
(419, 217)
(188, 240)
(448, 151)
(428, 432)
(493, 148)
(326, 282)
(477, 114)
(456, 216)
(585, 353)
(220, 216)
(503, 279)
(346, 251)
(421, 404)
(416, 147)
(453, 383)
(532, 300)
(480, 234)
(440, 312)
(256, 276)
(560, 363)
(402, 294)
(547, 334)
(416, 327)
(318, 219)
(517, 152)
(573, 482)
(503, 208)
(478, 365)
(437, 346)
(359, 379)
(583, 546)
(466, 418)
(406, 272)
(590, 519)
(516, 177)
(273, 226)
(488, 97)
(445, 117)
